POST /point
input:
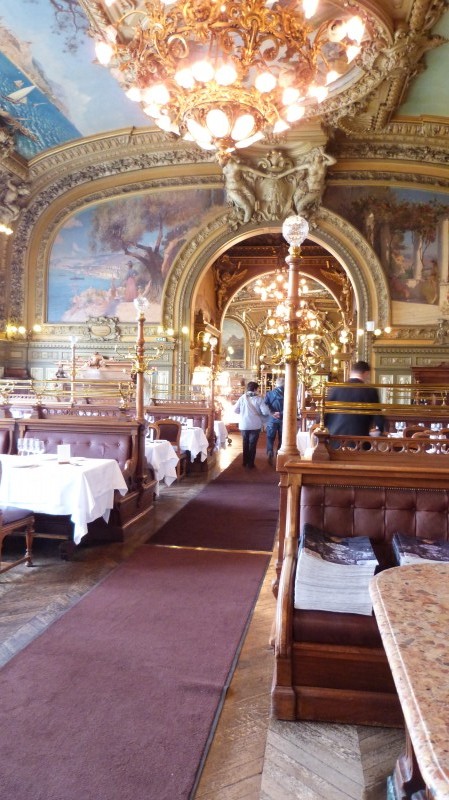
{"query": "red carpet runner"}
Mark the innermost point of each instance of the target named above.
(115, 701)
(237, 511)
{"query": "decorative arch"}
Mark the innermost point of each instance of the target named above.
(330, 230)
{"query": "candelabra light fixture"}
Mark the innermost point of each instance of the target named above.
(222, 74)
(19, 331)
(373, 329)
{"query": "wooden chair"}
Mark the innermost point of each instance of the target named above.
(152, 430)
(422, 433)
(17, 522)
(412, 429)
(170, 430)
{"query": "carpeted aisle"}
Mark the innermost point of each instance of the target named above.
(236, 511)
(116, 699)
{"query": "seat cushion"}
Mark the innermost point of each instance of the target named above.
(10, 514)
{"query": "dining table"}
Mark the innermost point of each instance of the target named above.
(162, 458)
(82, 488)
(195, 441)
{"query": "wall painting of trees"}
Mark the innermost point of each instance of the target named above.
(233, 337)
(402, 226)
(105, 256)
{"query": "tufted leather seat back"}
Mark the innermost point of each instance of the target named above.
(376, 512)
(93, 445)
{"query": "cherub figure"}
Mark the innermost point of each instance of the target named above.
(224, 279)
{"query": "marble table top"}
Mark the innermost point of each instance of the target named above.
(411, 604)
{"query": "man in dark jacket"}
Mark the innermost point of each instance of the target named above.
(354, 424)
(275, 402)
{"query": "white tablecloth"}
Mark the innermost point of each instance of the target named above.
(221, 432)
(194, 440)
(83, 489)
(303, 441)
(161, 456)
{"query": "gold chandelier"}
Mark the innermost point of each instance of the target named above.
(222, 73)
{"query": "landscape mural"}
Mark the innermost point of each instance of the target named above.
(404, 227)
(233, 336)
(69, 97)
(105, 256)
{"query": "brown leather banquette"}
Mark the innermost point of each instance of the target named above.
(95, 437)
(332, 666)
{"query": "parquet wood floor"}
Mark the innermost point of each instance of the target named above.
(250, 757)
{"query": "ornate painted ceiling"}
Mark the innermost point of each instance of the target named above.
(52, 91)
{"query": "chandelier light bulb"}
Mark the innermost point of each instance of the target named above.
(158, 94)
(104, 53)
(184, 78)
(265, 82)
(203, 71)
(309, 8)
(199, 132)
(352, 52)
(332, 76)
(336, 31)
(318, 92)
(134, 94)
(226, 75)
(243, 127)
(355, 29)
(218, 123)
(280, 126)
(290, 95)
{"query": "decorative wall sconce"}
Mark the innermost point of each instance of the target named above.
(372, 328)
(17, 332)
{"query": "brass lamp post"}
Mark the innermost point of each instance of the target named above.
(294, 231)
(140, 364)
(213, 341)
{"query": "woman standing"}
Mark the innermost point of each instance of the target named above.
(252, 410)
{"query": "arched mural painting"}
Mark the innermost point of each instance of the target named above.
(106, 255)
(407, 229)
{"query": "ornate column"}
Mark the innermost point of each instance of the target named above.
(294, 230)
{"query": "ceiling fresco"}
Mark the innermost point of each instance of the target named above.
(50, 84)
(52, 91)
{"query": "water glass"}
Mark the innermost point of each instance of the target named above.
(20, 446)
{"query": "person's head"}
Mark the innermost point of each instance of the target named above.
(280, 382)
(361, 369)
(252, 386)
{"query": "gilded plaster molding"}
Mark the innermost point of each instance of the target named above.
(402, 145)
(370, 103)
(135, 149)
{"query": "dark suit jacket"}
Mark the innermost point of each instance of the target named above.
(353, 424)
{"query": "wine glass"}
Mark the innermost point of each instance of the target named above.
(20, 446)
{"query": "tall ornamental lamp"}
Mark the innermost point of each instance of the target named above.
(294, 231)
(213, 341)
(140, 366)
